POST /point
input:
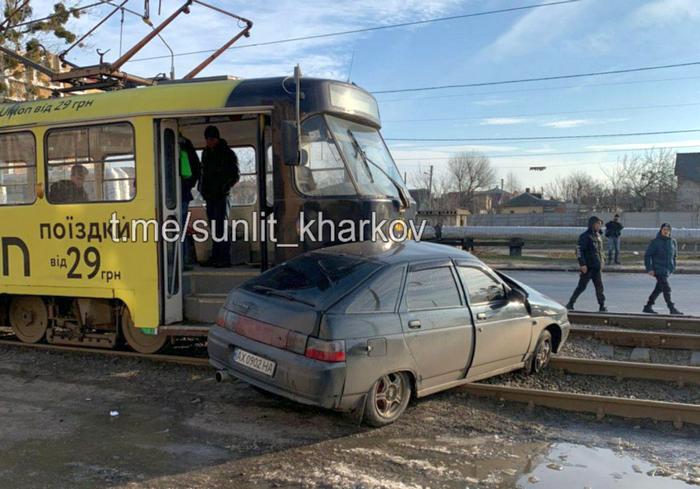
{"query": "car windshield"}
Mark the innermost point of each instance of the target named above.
(371, 163)
(314, 279)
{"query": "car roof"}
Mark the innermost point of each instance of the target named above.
(406, 251)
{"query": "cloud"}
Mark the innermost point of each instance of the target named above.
(537, 28)
(204, 30)
(568, 123)
(666, 12)
(502, 121)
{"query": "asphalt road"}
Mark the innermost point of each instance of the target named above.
(625, 292)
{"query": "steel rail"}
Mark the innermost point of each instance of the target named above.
(636, 321)
(644, 339)
(677, 413)
(628, 370)
(176, 359)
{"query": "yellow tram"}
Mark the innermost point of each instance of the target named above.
(70, 274)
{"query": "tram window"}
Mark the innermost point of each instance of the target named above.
(170, 169)
(17, 168)
(245, 192)
(91, 164)
(324, 172)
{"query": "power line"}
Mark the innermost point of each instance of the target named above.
(541, 78)
(611, 109)
(49, 17)
(370, 29)
(547, 138)
(562, 153)
(540, 89)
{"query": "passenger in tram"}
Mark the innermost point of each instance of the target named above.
(660, 261)
(70, 191)
(591, 259)
(220, 173)
(190, 172)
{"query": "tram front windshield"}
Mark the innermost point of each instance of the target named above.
(331, 142)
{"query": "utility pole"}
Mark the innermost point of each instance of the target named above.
(430, 188)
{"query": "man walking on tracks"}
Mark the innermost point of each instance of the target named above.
(660, 261)
(613, 230)
(591, 259)
(219, 173)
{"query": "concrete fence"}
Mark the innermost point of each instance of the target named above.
(572, 219)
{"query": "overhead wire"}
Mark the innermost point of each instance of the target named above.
(371, 29)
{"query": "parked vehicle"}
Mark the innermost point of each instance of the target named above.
(368, 325)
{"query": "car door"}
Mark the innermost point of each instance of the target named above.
(503, 327)
(436, 323)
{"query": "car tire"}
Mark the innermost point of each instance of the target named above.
(542, 354)
(387, 399)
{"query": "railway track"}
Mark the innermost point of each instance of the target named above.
(643, 339)
(637, 321)
(677, 413)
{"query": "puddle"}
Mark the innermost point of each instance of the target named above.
(572, 466)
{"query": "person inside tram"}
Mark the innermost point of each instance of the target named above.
(73, 190)
(190, 172)
(220, 172)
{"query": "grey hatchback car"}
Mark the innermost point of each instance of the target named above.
(366, 326)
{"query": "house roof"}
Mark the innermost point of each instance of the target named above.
(528, 200)
(688, 166)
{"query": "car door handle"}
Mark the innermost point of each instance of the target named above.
(414, 324)
(481, 315)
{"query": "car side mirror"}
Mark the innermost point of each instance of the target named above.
(290, 144)
(516, 295)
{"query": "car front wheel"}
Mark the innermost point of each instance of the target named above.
(542, 354)
(388, 399)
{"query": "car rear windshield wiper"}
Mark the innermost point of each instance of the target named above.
(264, 289)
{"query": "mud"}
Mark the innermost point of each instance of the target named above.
(174, 427)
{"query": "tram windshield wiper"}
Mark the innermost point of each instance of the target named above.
(264, 289)
(368, 161)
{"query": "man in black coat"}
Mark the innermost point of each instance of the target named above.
(220, 172)
(660, 262)
(591, 259)
(70, 191)
(613, 231)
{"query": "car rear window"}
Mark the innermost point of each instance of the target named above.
(314, 278)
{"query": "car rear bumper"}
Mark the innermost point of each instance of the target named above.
(295, 377)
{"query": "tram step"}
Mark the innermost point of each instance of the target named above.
(215, 281)
(203, 308)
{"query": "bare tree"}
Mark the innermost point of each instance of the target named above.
(512, 183)
(650, 179)
(470, 172)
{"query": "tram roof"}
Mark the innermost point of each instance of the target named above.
(168, 97)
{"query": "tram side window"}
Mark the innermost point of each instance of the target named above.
(91, 164)
(17, 168)
(324, 172)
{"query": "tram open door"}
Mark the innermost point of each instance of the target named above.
(169, 202)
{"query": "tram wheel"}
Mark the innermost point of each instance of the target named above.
(138, 340)
(29, 318)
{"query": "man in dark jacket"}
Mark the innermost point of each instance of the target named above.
(219, 173)
(589, 252)
(660, 261)
(190, 173)
(613, 231)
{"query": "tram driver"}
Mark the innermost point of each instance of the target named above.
(73, 190)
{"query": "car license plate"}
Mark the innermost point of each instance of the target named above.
(254, 362)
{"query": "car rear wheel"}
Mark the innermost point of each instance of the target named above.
(388, 399)
(542, 355)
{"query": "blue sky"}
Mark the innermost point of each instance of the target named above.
(592, 35)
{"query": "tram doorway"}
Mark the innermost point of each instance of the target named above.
(191, 294)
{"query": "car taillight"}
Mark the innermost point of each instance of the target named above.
(326, 351)
(226, 319)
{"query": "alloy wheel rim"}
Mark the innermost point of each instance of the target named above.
(389, 394)
(543, 354)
